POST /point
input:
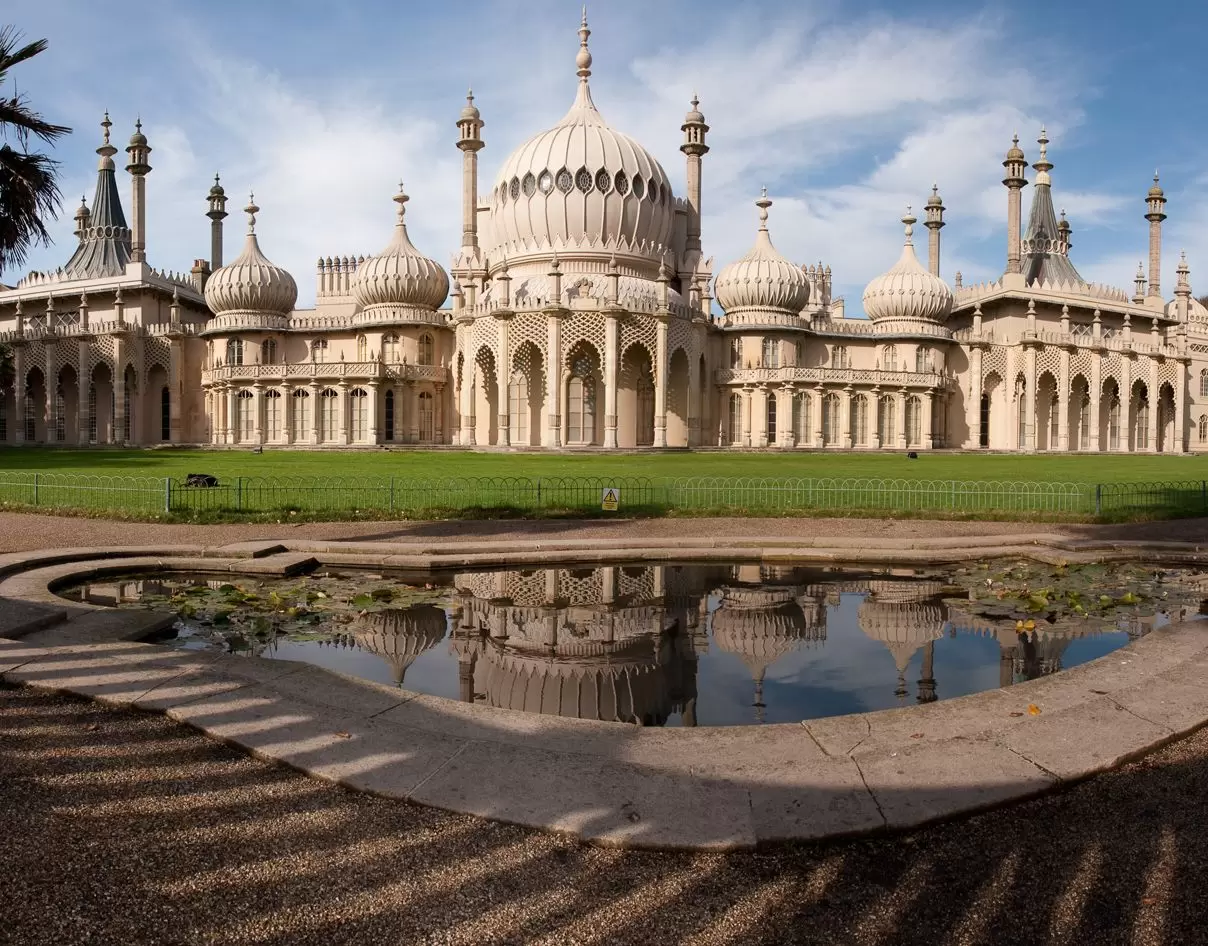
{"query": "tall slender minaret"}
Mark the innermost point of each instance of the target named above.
(138, 149)
(1015, 182)
(1155, 202)
(694, 148)
(934, 223)
(469, 142)
(217, 213)
(1182, 288)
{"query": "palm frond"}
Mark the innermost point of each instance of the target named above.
(29, 195)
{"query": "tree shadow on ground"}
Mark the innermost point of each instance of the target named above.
(126, 827)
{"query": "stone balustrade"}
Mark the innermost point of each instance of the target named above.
(832, 376)
(305, 372)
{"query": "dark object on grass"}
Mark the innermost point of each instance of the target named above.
(912, 455)
(201, 479)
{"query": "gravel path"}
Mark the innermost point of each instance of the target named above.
(21, 531)
(126, 828)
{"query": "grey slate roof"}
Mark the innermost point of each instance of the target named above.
(1042, 261)
(104, 248)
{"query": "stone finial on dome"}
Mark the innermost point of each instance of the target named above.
(1043, 165)
(470, 112)
(907, 292)
(583, 57)
(400, 283)
(1156, 190)
(250, 285)
(763, 282)
(1015, 153)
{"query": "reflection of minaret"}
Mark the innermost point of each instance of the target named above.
(400, 635)
(927, 692)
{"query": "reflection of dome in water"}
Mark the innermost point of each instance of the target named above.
(903, 628)
(399, 636)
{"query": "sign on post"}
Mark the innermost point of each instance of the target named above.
(610, 500)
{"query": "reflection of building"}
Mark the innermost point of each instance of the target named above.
(904, 616)
(400, 635)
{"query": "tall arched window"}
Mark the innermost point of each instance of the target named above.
(301, 416)
(802, 421)
(360, 414)
(771, 418)
(318, 350)
(234, 351)
(245, 416)
(389, 433)
(736, 353)
(518, 408)
(1113, 417)
(839, 357)
(859, 420)
(1141, 438)
(273, 415)
(427, 352)
(581, 417)
(165, 414)
(645, 418)
(887, 420)
(268, 352)
(921, 359)
(329, 415)
(427, 417)
(771, 353)
(362, 348)
(1021, 411)
(1204, 383)
(914, 421)
(735, 418)
(889, 358)
(830, 420)
(390, 349)
(1204, 429)
(60, 416)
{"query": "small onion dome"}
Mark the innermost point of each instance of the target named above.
(763, 282)
(470, 112)
(694, 115)
(1015, 153)
(217, 189)
(907, 292)
(400, 278)
(399, 636)
(138, 139)
(1156, 190)
(250, 283)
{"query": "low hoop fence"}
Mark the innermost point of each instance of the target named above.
(412, 497)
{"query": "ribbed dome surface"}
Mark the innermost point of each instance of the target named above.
(250, 283)
(400, 279)
(907, 292)
(581, 185)
(762, 281)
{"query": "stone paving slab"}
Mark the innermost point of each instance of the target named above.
(19, 618)
(283, 564)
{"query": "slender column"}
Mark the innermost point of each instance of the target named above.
(973, 408)
(746, 417)
(611, 359)
(175, 390)
(287, 413)
(375, 408)
(819, 401)
(1155, 402)
(85, 382)
(413, 412)
(1180, 391)
(760, 411)
(467, 403)
(899, 410)
(1030, 400)
(1126, 404)
(553, 376)
(660, 386)
(694, 402)
(18, 392)
(258, 412)
(342, 411)
(1096, 393)
(784, 416)
(49, 413)
(503, 379)
(316, 414)
(1062, 405)
(845, 419)
(231, 419)
(438, 412)
(927, 406)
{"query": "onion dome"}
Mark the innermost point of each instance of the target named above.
(470, 113)
(1156, 190)
(400, 636)
(250, 292)
(694, 115)
(217, 189)
(907, 293)
(1015, 153)
(400, 284)
(138, 139)
(581, 185)
(762, 286)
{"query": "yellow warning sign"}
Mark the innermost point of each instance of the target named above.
(610, 500)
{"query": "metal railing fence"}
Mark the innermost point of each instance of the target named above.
(412, 496)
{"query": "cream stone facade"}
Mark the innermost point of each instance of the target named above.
(580, 314)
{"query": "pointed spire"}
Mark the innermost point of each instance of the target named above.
(106, 150)
(1043, 165)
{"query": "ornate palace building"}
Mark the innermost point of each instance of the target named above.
(582, 312)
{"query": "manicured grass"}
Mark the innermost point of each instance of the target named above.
(1101, 468)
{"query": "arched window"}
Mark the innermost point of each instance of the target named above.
(268, 352)
(234, 351)
(887, 421)
(318, 350)
(1021, 410)
(839, 357)
(245, 416)
(736, 353)
(889, 358)
(273, 415)
(60, 415)
(921, 359)
(830, 420)
(1204, 383)
(771, 418)
(859, 420)
(581, 418)
(390, 349)
(389, 434)
(1142, 430)
(360, 415)
(165, 414)
(914, 421)
(802, 420)
(426, 350)
(771, 353)
(427, 417)
(329, 414)
(735, 419)
(362, 348)
(301, 416)
(645, 418)
(1204, 429)
(518, 408)
(1113, 418)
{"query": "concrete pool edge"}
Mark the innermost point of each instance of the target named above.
(709, 788)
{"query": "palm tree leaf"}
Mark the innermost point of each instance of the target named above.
(28, 196)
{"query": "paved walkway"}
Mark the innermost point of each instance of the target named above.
(124, 827)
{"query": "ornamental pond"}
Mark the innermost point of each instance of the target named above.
(677, 645)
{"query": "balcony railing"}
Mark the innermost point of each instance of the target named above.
(306, 371)
(790, 375)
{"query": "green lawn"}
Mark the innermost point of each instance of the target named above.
(439, 463)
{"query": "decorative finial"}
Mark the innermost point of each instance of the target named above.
(106, 124)
(470, 95)
(695, 99)
(138, 123)
(1015, 139)
(251, 210)
(763, 204)
(909, 220)
(583, 59)
(401, 199)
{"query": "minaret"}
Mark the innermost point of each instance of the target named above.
(1064, 235)
(469, 142)
(217, 213)
(81, 218)
(694, 148)
(1139, 280)
(1182, 288)
(935, 223)
(1015, 182)
(138, 149)
(1155, 203)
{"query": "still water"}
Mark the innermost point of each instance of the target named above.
(677, 645)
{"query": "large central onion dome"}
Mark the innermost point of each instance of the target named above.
(907, 293)
(250, 292)
(581, 185)
(400, 284)
(763, 286)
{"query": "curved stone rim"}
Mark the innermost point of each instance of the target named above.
(706, 788)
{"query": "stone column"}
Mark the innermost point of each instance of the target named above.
(1154, 402)
(1030, 400)
(315, 414)
(660, 385)
(503, 381)
(611, 364)
(899, 410)
(438, 412)
(287, 413)
(1180, 392)
(49, 412)
(819, 401)
(1096, 394)
(784, 417)
(412, 400)
(927, 406)
(230, 431)
(553, 377)
(973, 407)
(746, 440)
(175, 391)
(258, 412)
(375, 410)
(1062, 405)
(845, 438)
(342, 411)
(694, 402)
(466, 439)
(759, 412)
(1126, 403)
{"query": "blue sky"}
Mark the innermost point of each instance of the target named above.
(846, 111)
